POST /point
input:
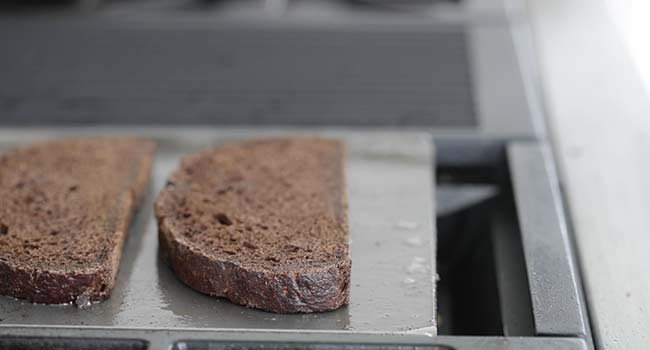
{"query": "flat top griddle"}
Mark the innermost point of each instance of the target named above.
(392, 244)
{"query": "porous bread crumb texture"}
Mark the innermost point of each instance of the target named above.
(266, 209)
(65, 210)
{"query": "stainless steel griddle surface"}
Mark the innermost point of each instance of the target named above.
(392, 244)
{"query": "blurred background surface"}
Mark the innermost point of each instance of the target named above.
(594, 63)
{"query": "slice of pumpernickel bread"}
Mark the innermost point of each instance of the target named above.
(65, 210)
(262, 223)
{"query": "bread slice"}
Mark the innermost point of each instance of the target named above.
(64, 215)
(262, 223)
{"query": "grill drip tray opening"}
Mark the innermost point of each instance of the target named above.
(480, 255)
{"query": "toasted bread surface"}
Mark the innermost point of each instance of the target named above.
(64, 215)
(262, 223)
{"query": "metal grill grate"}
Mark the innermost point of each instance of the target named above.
(81, 71)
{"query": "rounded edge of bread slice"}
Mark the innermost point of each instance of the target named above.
(282, 283)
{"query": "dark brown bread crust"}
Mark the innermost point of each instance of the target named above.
(262, 223)
(67, 205)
